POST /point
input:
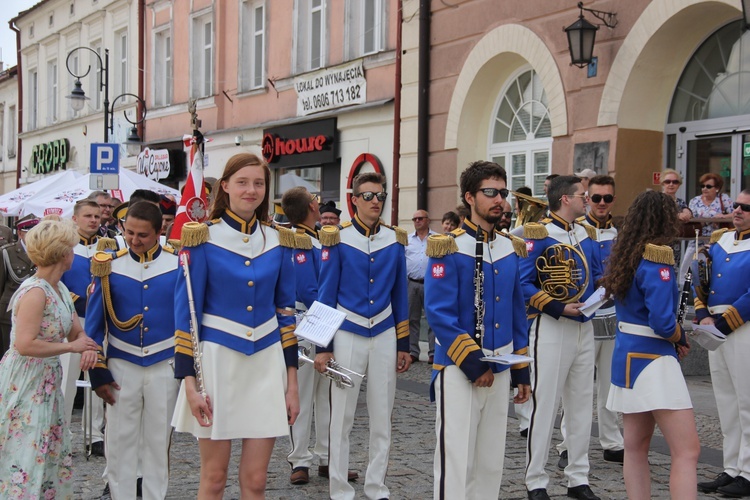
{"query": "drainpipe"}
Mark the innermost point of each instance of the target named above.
(397, 119)
(141, 70)
(19, 104)
(423, 118)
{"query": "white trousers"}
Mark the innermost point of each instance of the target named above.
(139, 427)
(470, 426)
(610, 436)
(730, 373)
(563, 367)
(375, 356)
(313, 397)
(71, 365)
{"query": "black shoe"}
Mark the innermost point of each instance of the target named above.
(538, 494)
(525, 433)
(722, 479)
(105, 494)
(616, 456)
(96, 449)
(582, 492)
(563, 462)
(139, 487)
(738, 488)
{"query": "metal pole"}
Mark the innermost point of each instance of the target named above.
(105, 86)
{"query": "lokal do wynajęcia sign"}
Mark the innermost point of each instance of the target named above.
(300, 145)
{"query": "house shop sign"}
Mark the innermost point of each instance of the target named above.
(300, 145)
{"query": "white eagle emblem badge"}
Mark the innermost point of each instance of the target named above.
(664, 273)
(195, 209)
(438, 270)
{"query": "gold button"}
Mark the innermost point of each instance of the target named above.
(145, 287)
(372, 321)
(249, 308)
(249, 333)
(496, 271)
(497, 299)
(727, 259)
(250, 283)
(372, 238)
(145, 329)
(145, 308)
(372, 259)
(372, 280)
(245, 239)
(712, 292)
(145, 351)
(497, 325)
(145, 266)
(718, 275)
(247, 262)
(372, 302)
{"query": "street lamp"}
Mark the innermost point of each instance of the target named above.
(78, 99)
(746, 12)
(582, 34)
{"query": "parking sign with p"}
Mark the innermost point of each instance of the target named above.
(105, 158)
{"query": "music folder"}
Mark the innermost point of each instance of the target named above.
(319, 324)
(508, 359)
(708, 336)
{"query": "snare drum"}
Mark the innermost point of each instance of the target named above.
(605, 325)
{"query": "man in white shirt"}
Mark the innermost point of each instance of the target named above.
(416, 264)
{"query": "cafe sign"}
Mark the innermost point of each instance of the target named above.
(153, 163)
(49, 157)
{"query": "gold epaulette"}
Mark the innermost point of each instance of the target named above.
(591, 231)
(170, 249)
(716, 235)
(440, 245)
(519, 245)
(535, 231)
(101, 264)
(346, 224)
(193, 234)
(401, 235)
(106, 244)
(174, 244)
(302, 240)
(457, 232)
(660, 254)
(121, 252)
(286, 236)
(330, 236)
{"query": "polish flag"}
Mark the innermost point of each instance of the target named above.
(193, 205)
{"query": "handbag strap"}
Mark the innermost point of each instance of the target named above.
(721, 202)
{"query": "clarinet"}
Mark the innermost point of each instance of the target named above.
(684, 296)
(479, 289)
(197, 364)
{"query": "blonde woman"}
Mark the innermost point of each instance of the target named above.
(671, 180)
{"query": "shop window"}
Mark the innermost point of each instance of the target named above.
(324, 180)
(521, 132)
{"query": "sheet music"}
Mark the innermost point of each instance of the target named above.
(319, 324)
(508, 359)
(594, 302)
(708, 336)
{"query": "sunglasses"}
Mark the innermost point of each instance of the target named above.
(417, 219)
(707, 186)
(671, 181)
(597, 198)
(742, 206)
(492, 192)
(369, 195)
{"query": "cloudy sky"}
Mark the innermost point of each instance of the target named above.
(10, 9)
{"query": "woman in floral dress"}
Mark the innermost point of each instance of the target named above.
(35, 454)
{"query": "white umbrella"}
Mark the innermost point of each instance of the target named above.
(11, 204)
(290, 180)
(62, 200)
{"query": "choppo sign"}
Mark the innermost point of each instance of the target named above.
(311, 143)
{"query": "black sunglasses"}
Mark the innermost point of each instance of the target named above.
(671, 181)
(415, 219)
(707, 186)
(492, 192)
(597, 198)
(369, 195)
(742, 206)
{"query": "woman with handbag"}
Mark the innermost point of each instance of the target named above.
(711, 203)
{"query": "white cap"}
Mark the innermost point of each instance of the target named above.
(586, 172)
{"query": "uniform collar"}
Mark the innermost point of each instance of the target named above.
(596, 223)
(87, 241)
(362, 227)
(471, 230)
(238, 223)
(149, 256)
(560, 222)
(307, 230)
(744, 235)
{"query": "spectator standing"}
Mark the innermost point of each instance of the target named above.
(416, 264)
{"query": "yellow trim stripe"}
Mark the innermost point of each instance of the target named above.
(465, 352)
(183, 335)
(539, 300)
(183, 350)
(286, 329)
(733, 318)
(699, 304)
(100, 365)
(461, 339)
(438, 367)
(677, 335)
(519, 366)
(184, 343)
(636, 355)
(522, 352)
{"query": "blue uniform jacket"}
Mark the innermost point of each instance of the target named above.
(539, 238)
(306, 266)
(449, 304)
(135, 312)
(652, 302)
(78, 277)
(363, 273)
(729, 283)
(606, 234)
(243, 288)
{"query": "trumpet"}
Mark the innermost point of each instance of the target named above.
(340, 376)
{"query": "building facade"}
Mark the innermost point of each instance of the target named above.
(8, 128)
(309, 84)
(670, 88)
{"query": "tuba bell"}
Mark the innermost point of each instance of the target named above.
(530, 209)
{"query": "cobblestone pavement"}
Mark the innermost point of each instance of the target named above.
(410, 470)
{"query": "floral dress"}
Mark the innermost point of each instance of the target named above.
(702, 210)
(35, 453)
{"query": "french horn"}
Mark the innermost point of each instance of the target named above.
(560, 275)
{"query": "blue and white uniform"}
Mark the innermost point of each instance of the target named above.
(728, 301)
(243, 290)
(562, 347)
(471, 421)
(130, 310)
(646, 374)
(313, 387)
(363, 273)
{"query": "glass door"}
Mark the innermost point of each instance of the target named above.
(708, 154)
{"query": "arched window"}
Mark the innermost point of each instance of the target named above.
(520, 133)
